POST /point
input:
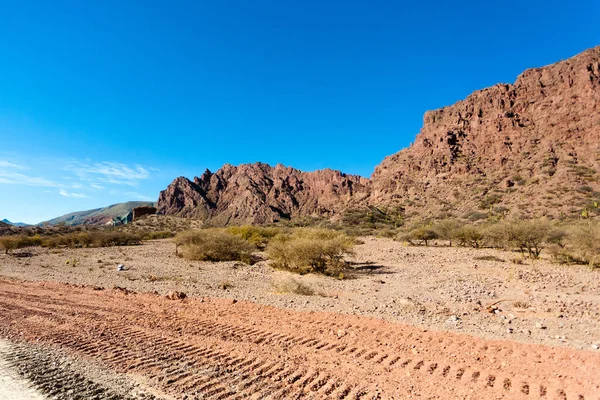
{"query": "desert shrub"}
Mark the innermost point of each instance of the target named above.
(108, 239)
(91, 239)
(373, 218)
(529, 236)
(310, 250)
(561, 254)
(157, 235)
(584, 242)
(384, 233)
(419, 235)
(469, 235)
(291, 285)
(8, 243)
(490, 200)
(213, 244)
(256, 235)
(13, 242)
(475, 216)
(446, 228)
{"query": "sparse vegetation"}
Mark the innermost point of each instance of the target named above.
(372, 218)
(157, 235)
(92, 239)
(214, 244)
(294, 286)
(310, 250)
(584, 242)
(419, 235)
(469, 235)
(529, 236)
(9, 243)
(446, 229)
(256, 235)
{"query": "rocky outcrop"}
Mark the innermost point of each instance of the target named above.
(259, 193)
(532, 148)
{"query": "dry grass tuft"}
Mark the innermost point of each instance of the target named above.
(294, 286)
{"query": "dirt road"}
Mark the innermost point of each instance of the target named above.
(223, 349)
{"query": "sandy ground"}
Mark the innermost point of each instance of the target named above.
(440, 288)
(224, 349)
(13, 386)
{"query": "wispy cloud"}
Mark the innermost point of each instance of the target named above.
(63, 192)
(109, 173)
(78, 179)
(15, 178)
(10, 173)
(8, 164)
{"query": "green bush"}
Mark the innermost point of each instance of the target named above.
(213, 244)
(310, 250)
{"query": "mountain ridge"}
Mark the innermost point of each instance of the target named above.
(530, 148)
(114, 214)
(18, 224)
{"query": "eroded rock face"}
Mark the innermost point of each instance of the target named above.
(532, 147)
(258, 193)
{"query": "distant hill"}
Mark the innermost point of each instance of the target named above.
(21, 224)
(116, 214)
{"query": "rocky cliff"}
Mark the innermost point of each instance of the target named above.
(532, 147)
(529, 148)
(259, 193)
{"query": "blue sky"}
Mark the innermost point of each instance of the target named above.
(108, 101)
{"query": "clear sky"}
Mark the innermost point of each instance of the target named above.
(108, 101)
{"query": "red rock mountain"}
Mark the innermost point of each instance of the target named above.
(259, 193)
(532, 148)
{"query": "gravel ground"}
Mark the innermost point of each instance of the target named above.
(439, 288)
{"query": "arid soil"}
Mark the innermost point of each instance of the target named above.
(223, 349)
(439, 288)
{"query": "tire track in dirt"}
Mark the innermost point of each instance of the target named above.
(221, 350)
(58, 378)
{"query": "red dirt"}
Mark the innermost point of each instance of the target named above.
(222, 349)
